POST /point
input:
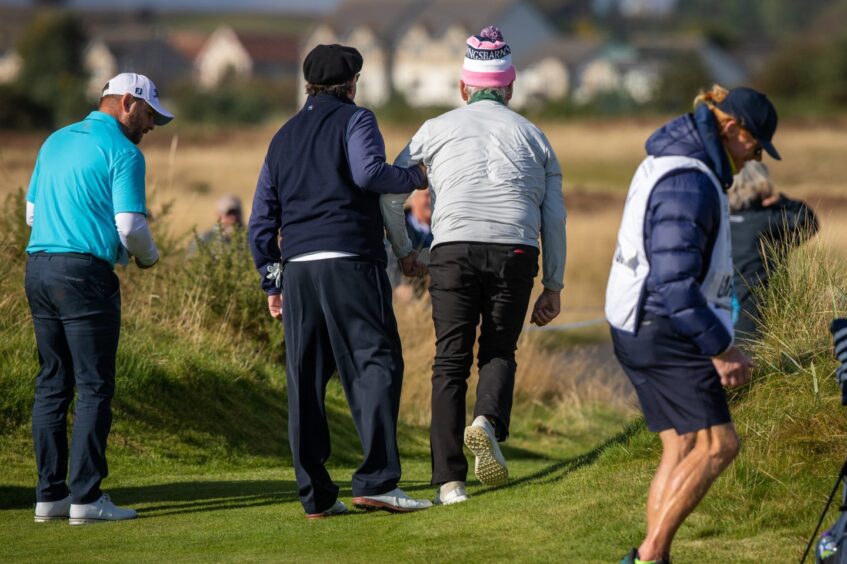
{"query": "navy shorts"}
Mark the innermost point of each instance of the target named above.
(678, 387)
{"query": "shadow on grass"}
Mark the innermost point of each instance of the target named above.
(179, 497)
(197, 497)
(201, 496)
(519, 453)
(16, 497)
(562, 468)
(192, 497)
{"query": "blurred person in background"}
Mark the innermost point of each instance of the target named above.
(765, 225)
(669, 298)
(319, 188)
(418, 220)
(87, 207)
(496, 187)
(229, 220)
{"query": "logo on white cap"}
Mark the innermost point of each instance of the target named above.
(141, 87)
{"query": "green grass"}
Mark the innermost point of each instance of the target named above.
(199, 443)
(246, 508)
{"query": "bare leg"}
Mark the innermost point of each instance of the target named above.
(674, 449)
(713, 449)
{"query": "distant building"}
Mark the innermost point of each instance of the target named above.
(153, 57)
(428, 57)
(635, 8)
(551, 70)
(722, 66)
(13, 23)
(229, 53)
(10, 66)
(373, 27)
(415, 47)
(635, 69)
(647, 8)
(412, 48)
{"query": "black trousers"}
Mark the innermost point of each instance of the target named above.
(75, 302)
(473, 281)
(338, 315)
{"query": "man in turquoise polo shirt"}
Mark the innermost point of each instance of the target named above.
(86, 205)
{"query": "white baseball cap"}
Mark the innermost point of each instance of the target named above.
(140, 87)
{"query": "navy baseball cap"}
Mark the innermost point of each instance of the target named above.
(755, 113)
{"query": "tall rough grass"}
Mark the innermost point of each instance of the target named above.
(806, 291)
(790, 418)
(198, 353)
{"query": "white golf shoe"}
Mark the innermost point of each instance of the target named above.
(395, 501)
(101, 510)
(450, 493)
(490, 466)
(52, 510)
(338, 508)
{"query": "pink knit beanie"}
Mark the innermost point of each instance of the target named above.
(488, 60)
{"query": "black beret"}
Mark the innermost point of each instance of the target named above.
(331, 64)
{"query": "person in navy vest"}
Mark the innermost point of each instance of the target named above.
(669, 298)
(319, 190)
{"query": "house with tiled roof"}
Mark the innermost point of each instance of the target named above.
(156, 57)
(551, 71)
(229, 53)
(374, 27)
(428, 57)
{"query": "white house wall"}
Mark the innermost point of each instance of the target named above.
(597, 77)
(321, 35)
(10, 66)
(101, 65)
(222, 54)
(548, 79)
(427, 70)
(374, 86)
(641, 84)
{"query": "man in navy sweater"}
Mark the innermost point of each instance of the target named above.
(319, 189)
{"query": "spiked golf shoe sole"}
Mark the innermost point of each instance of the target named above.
(375, 505)
(487, 468)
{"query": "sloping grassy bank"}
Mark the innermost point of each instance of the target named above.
(174, 398)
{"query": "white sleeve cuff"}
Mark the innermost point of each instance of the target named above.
(30, 213)
(136, 237)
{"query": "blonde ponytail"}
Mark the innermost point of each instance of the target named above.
(715, 95)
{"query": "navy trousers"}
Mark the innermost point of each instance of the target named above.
(338, 315)
(75, 302)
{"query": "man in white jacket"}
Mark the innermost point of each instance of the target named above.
(496, 187)
(87, 208)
